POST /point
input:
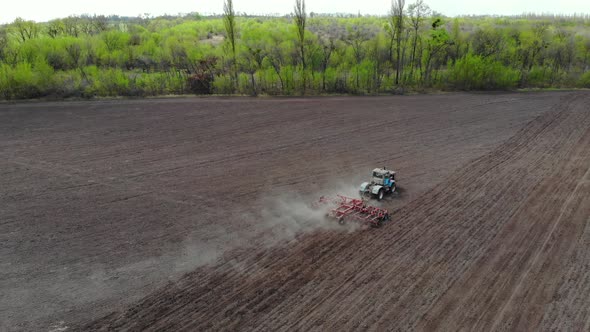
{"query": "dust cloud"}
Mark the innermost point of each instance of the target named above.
(289, 215)
(275, 219)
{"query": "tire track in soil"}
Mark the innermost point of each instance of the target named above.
(454, 258)
(527, 236)
(426, 236)
(54, 221)
(423, 235)
(566, 209)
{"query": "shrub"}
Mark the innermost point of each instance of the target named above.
(477, 73)
(106, 82)
(23, 81)
(223, 84)
(538, 77)
(67, 84)
(152, 84)
(584, 81)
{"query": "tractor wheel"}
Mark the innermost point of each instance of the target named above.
(380, 194)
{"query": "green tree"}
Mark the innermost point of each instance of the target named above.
(96, 55)
(300, 23)
(3, 44)
(488, 42)
(356, 38)
(397, 19)
(71, 26)
(418, 12)
(229, 21)
(532, 44)
(327, 47)
(437, 42)
(55, 28)
(25, 30)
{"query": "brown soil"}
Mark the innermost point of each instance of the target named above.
(154, 214)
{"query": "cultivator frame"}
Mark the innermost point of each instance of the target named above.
(345, 209)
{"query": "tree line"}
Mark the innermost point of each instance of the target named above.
(412, 48)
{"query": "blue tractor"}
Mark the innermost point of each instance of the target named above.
(382, 183)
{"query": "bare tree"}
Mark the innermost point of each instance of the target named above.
(397, 19)
(100, 23)
(229, 20)
(300, 22)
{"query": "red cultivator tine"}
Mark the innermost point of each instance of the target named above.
(353, 209)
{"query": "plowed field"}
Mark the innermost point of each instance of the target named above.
(191, 214)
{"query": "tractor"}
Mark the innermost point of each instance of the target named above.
(382, 183)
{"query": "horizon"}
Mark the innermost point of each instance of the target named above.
(44, 12)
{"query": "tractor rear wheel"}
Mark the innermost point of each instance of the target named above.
(380, 194)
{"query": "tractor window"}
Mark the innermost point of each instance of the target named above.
(378, 175)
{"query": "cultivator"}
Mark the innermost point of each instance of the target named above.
(345, 209)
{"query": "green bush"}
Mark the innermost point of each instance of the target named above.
(180, 55)
(25, 80)
(474, 72)
(152, 84)
(106, 82)
(538, 77)
(223, 85)
(585, 80)
(114, 82)
(67, 84)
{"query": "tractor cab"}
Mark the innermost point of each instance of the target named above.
(383, 176)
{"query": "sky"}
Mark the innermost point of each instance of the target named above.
(43, 10)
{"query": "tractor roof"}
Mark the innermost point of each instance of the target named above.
(382, 171)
